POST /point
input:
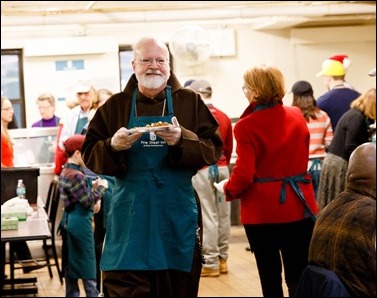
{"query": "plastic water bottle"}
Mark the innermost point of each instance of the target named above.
(21, 189)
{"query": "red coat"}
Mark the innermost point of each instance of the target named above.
(271, 143)
(6, 152)
(226, 133)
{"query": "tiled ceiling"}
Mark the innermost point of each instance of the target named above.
(270, 14)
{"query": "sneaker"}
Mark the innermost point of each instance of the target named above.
(223, 266)
(210, 272)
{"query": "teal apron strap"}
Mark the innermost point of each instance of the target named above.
(293, 181)
(81, 122)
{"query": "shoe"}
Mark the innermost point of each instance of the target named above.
(206, 272)
(28, 266)
(28, 269)
(223, 266)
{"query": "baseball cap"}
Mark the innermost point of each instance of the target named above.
(201, 86)
(372, 73)
(74, 143)
(302, 87)
(188, 83)
(332, 68)
(82, 87)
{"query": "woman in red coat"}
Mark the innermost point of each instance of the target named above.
(270, 178)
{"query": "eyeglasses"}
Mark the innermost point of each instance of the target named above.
(245, 89)
(149, 61)
(7, 109)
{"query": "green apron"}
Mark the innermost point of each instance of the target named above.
(78, 243)
(153, 215)
(81, 123)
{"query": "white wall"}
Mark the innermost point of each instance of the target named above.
(297, 52)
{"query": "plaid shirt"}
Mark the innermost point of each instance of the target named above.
(74, 188)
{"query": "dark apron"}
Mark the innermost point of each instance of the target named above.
(78, 243)
(153, 214)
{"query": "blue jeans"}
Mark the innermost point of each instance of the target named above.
(72, 287)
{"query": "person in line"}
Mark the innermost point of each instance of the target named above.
(21, 249)
(344, 59)
(344, 236)
(336, 101)
(46, 106)
(78, 253)
(104, 204)
(319, 125)
(153, 229)
(215, 209)
(353, 129)
(103, 95)
(278, 205)
(75, 122)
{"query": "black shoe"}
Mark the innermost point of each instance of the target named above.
(28, 269)
(248, 248)
(29, 265)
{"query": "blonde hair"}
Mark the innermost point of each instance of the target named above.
(4, 128)
(101, 95)
(366, 103)
(267, 82)
(47, 97)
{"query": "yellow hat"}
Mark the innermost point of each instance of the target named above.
(332, 68)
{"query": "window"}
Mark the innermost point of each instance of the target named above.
(125, 59)
(12, 83)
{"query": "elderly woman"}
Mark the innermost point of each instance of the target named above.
(270, 177)
(351, 131)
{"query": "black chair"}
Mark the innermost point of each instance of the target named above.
(320, 282)
(52, 205)
(49, 197)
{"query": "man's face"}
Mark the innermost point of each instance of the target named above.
(151, 67)
(85, 99)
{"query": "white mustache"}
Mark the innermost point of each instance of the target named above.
(153, 72)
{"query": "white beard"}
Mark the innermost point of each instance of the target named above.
(152, 82)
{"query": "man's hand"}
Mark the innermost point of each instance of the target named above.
(220, 186)
(173, 135)
(123, 140)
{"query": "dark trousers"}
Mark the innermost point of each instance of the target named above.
(277, 245)
(99, 236)
(165, 283)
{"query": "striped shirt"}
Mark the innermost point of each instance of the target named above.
(321, 134)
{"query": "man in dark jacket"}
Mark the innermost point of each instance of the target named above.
(153, 137)
(344, 236)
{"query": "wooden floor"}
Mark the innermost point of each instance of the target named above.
(241, 281)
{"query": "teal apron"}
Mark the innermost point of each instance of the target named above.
(78, 242)
(153, 214)
(81, 123)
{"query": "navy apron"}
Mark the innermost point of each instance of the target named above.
(153, 214)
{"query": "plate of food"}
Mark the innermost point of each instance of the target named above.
(155, 126)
